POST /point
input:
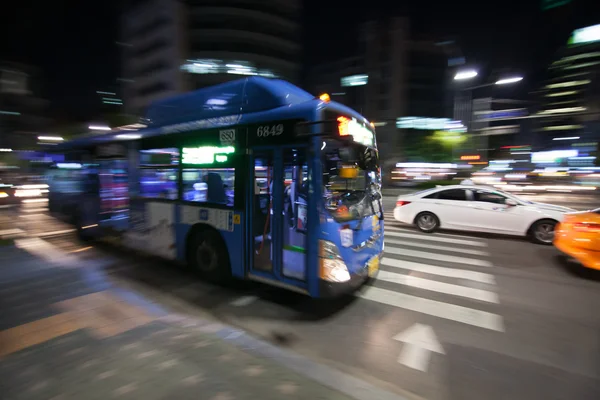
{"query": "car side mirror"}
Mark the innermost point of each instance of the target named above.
(511, 203)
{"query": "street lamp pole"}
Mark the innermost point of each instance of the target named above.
(468, 103)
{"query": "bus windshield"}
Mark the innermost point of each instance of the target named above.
(351, 189)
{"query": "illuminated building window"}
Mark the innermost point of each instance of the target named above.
(580, 56)
(563, 110)
(583, 65)
(354, 80)
(558, 94)
(214, 66)
(588, 34)
(568, 84)
(562, 127)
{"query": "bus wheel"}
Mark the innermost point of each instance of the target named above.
(208, 256)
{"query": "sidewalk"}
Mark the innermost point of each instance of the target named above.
(66, 332)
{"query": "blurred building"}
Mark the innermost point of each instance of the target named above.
(171, 46)
(110, 100)
(23, 114)
(497, 124)
(392, 75)
(569, 111)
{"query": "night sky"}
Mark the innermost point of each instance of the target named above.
(73, 42)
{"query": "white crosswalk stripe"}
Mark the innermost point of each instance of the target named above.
(396, 233)
(441, 287)
(440, 271)
(394, 227)
(436, 256)
(440, 275)
(407, 243)
(439, 309)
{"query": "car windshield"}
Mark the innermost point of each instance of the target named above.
(350, 191)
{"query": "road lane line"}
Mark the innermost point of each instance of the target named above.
(441, 271)
(11, 232)
(401, 244)
(35, 210)
(439, 287)
(437, 257)
(44, 234)
(434, 308)
(244, 301)
(42, 249)
(32, 215)
(435, 238)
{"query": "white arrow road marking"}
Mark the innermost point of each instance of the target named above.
(419, 341)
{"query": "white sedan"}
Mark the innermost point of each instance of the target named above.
(479, 209)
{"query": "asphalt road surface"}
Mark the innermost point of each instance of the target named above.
(451, 315)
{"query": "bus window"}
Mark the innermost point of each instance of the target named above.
(158, 183)
(261, 220)
(210, 185)
(348, 196)
(114, 189)
(295, 206)
(158, 174)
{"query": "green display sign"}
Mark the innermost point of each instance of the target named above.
(206, 154)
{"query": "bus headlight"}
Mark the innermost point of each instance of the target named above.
(332, 266)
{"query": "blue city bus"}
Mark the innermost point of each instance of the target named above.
(253, 179)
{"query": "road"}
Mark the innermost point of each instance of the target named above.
(451, 315)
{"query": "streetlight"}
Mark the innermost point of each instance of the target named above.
(463, 109)
(505, 81)
(99, 128)
(466, 74)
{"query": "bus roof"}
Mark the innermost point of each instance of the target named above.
(248, 100)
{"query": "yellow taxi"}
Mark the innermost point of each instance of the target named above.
(578, 237)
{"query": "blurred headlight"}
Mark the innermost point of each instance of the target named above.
(333, 268)
(3, 195)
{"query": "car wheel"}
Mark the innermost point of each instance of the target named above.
(542, 232)
(207, 255)
(427, 222)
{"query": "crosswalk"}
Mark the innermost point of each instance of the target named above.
(441, 275)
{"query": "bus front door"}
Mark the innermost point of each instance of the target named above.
(278, 222)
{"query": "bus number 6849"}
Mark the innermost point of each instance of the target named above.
(269, 130)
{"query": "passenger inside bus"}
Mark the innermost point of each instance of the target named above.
(215, 188)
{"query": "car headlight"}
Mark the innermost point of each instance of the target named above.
(3, 195)
(332, 266)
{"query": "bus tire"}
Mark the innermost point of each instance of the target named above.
(207, 255)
